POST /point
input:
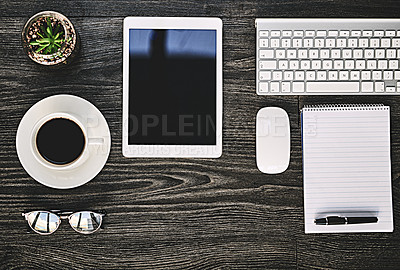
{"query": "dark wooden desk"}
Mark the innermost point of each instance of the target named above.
(176, 213)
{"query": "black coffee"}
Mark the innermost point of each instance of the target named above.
(60, 141)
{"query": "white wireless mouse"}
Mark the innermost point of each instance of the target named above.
(272, 140)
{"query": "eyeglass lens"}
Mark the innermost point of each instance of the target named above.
(43, 222)
(85, 222)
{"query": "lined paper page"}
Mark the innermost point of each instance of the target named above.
(347, 169)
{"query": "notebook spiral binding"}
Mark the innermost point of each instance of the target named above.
(346, 107)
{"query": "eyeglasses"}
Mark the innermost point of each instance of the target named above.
(47, 222)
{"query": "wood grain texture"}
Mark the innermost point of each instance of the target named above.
(176, 213)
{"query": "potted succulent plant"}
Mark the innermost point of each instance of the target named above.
(50, 39)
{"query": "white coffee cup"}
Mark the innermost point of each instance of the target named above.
(88, 141)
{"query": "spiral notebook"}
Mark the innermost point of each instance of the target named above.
(347, 168)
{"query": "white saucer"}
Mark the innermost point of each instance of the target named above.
(97, 127)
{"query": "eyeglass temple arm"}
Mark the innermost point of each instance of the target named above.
(28, 228)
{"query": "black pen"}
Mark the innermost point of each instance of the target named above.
(333, 220)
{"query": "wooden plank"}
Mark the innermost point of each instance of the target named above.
(349, 252)
(230, 8)
(175, 213)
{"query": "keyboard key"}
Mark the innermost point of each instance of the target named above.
(385, 42)
(299, 75)
(286, 42)
(319, 42)
(325, 54)
(335, 53)
(310, 33)
(380, 53)
(280, 54)
(379, 33)
(263, 33)
(396, 43)
(277, 75)
(371, 64)
(367, 33)
(366, 75)
(327, 64)
(398, 86)
(368, 53)
(335, 87)
(298, 33)
(285, 87)
(374, 42)
(344, 33)
(390, 53)
(313, 54)
(357, 54)
(338, 64)
(274, 87)
(316, 64)
(330, 42)
(379, 87)
(308, 42)
(265, 75)
(355, 75)
(333, 33)
(393, 64)
(291, 54)
(310, 76)
(275, 33)
(263, 43)
(321, 33)
(321, 75)
(263, 87)
(360, 64)
(388, 75)
(382, 64)
(343, 75)
(287, 33)
(302, 54)
(377, 75)
(363, 42)
(298, 87)
(390, 33)
(294, 64)
(267, 65)
(367, 87)
(305, 64)
(349, 64)
(390, 89)
(283, 64)
(266, 54)
(297, 42)
(352, 42)
(333, 75)
(397, 75)
(288, 75)
(341, 42)
(355, 33)
(275, 42)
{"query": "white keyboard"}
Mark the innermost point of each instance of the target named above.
(328, 56)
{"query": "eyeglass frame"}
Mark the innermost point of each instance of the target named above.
(64, 215)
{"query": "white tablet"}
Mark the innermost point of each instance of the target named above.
(172, 87)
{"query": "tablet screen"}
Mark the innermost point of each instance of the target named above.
(172, 87)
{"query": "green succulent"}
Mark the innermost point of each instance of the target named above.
(51, 39)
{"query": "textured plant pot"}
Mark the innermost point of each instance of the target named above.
(65, 54)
